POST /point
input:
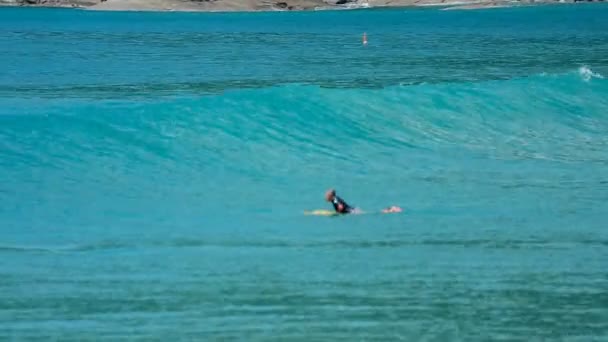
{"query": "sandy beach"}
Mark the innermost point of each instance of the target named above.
(245, 5)
(264, 5)
(209, 6)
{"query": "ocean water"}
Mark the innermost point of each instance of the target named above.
(155, 167)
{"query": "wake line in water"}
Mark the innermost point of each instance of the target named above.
(332, 244)
(137, 90)
(106, 245)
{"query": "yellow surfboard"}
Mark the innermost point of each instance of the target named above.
(325, 212)
(321, 212)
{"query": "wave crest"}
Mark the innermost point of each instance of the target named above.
(587, 74)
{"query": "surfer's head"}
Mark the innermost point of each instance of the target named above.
(330, 194)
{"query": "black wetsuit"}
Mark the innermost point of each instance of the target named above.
(345, 207)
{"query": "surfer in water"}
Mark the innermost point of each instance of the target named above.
(341, 207)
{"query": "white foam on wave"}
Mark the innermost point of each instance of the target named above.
(587, 74)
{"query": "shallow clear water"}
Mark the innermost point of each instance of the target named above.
(154, 170)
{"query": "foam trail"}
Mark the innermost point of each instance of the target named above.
(587, 74)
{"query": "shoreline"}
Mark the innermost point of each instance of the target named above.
(242, 6)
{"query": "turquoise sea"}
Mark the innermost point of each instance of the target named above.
(155, 167)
